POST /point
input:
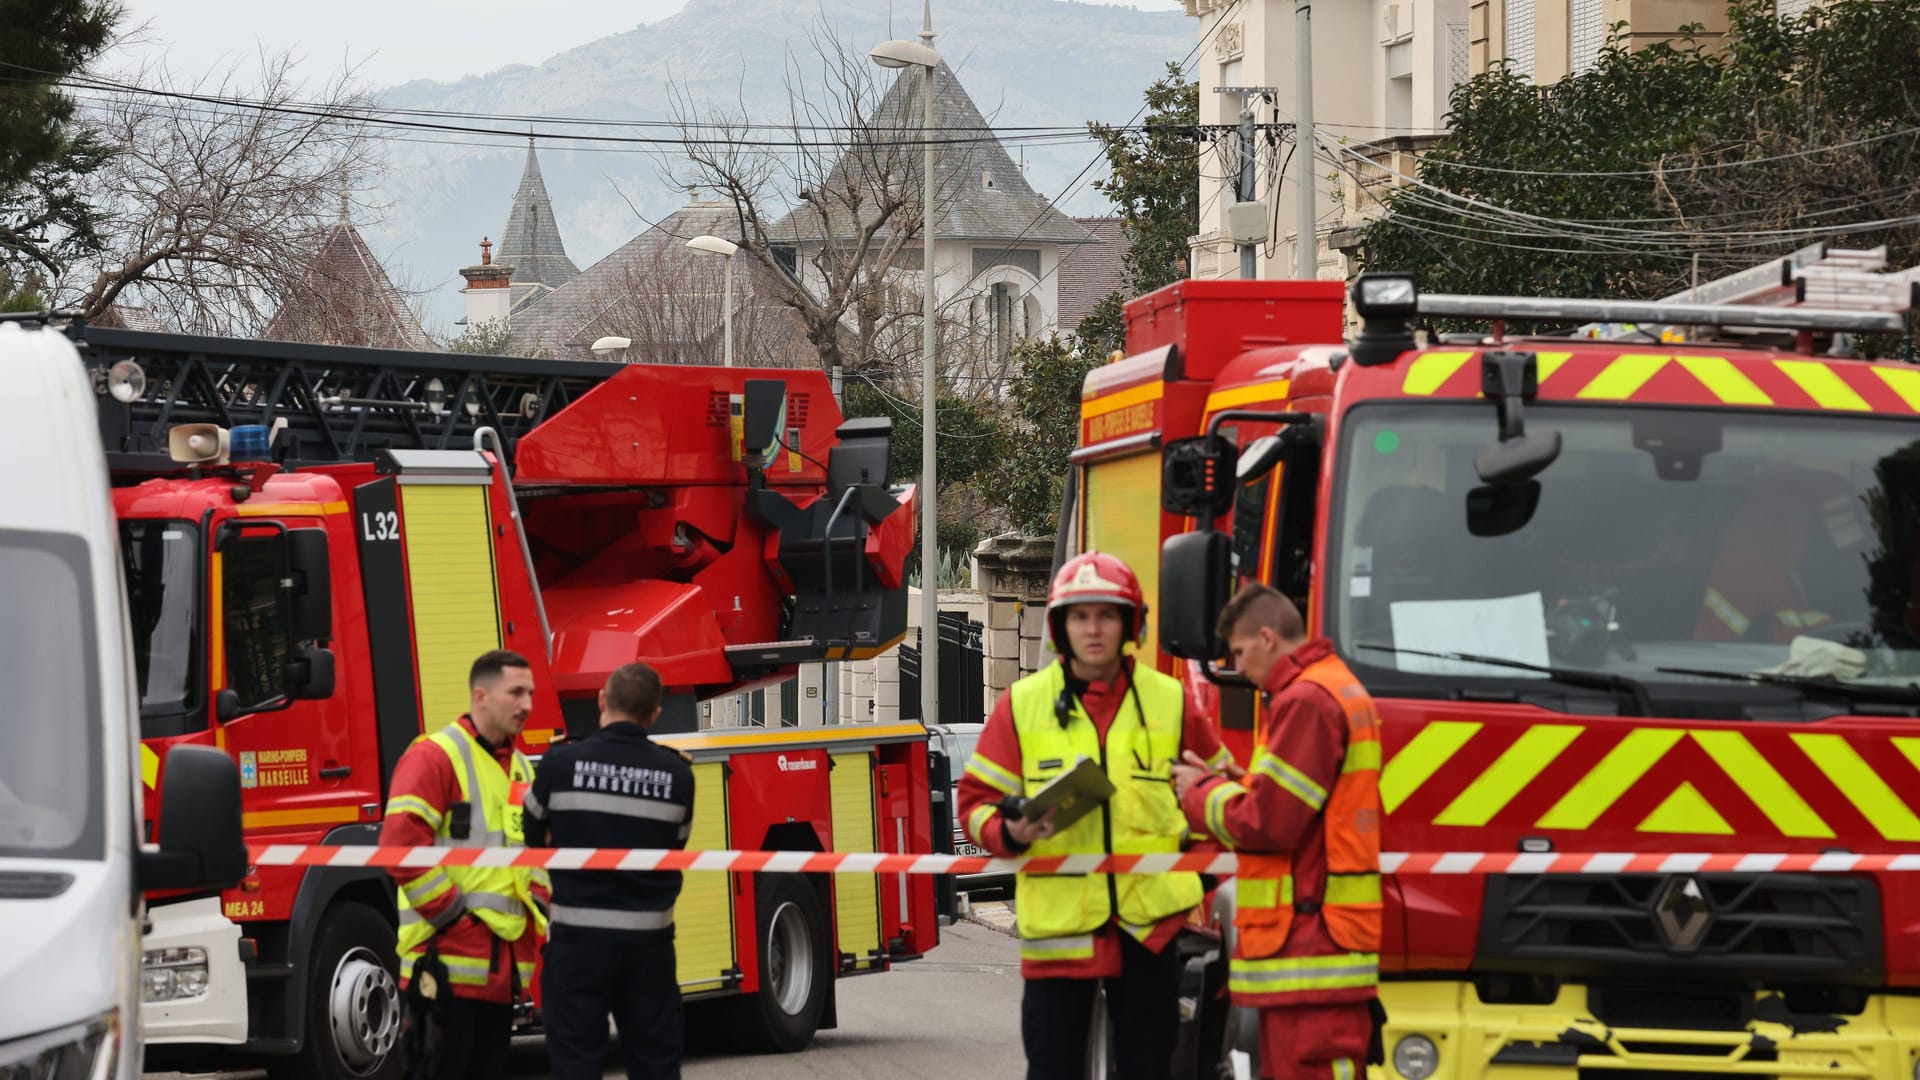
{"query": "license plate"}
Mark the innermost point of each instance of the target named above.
(972, 849)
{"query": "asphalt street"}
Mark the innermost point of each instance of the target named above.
(954, 1013)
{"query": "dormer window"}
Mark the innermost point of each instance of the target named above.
(986, 179)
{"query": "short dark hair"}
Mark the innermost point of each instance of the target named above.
(1261, 605)
(634, 691)
(492, 664)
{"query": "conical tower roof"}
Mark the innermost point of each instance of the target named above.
(531, 242)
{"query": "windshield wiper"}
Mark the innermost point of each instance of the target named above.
(1825, 686)
(1635, 690)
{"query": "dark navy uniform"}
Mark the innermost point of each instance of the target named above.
(610, 949)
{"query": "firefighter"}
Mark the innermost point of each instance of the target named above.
(1077, 931)
(1305, 820)
(472, 928)
(611, 945)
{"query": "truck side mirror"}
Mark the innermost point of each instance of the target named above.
(311, 598)
(1196, 570)
(199, 828)
(1197, 479)
(310, 674)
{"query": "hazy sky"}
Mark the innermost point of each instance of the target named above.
(398, 40)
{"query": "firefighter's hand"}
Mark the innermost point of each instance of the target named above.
(1188, 773)
(1025, 832)
(1230, 770)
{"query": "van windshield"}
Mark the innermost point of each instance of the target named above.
(1669, 546)
(162, 561)
(51, 783)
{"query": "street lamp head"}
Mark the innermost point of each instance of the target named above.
(899, 54)
(608, 345)
(713, 245)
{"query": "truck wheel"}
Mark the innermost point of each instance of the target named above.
(353, 1001)
(796, 965)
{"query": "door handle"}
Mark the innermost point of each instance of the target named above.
(335, 772)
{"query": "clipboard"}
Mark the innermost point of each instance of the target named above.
(1071, 796)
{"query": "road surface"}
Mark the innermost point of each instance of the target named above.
(955, 1013)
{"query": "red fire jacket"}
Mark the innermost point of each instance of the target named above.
(425, 771)
(1000, 744)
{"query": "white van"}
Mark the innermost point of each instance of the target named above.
(72, 867)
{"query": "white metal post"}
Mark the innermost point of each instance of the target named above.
(929, 515)
(1304, 146)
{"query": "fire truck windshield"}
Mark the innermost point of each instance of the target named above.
(162, 561)
(1711, 541)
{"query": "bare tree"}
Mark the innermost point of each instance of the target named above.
(672, 306)
(840, 197)
(220, 194)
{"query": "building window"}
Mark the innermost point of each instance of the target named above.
(1520, 36)
(1588, 31)
(1792, 9)
(1001, 305)
(1459, 55)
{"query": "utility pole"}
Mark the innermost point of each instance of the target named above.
(1307, 230)
(1248, 270)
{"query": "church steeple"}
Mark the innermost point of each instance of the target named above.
(531, 241)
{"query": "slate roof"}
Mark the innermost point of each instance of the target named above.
(347, 298)
(668, 301)
(1088, 272)
(531, 243)
(131, 317)
(1008, 210)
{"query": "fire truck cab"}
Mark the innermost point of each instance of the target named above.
(1650, 589)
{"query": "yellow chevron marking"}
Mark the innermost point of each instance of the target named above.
(1420, 759)
(1623, 377)
(1550, 362)
(1909, 746)
(1905, 382)
(1623, 767)
(1492, 790)
(1757, 777)
(149, 766)
(1685, 811)
(1860, 784)
(1275, 390)
(1823, 385)
(1427, 374)
(1728, 383)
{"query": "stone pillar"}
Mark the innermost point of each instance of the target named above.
(1013, 572)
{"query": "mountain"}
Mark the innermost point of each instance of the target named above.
(1025, 62)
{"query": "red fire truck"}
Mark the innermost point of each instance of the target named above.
(1652, 588)
(318, 541)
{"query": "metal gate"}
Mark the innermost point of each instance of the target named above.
(963, 659)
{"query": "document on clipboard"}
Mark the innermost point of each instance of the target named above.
(1071, 796)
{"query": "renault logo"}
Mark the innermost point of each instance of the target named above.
(1683, 914)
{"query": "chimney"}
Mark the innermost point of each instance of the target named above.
(487, 292)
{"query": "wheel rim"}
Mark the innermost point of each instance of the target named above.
(363, 1008)
(789, 958)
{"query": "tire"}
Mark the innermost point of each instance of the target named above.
(796, 963)
(353, 1009)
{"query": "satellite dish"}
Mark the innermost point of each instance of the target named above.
(127, 382)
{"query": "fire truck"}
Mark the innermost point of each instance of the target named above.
(317, 541)
(1650, 587)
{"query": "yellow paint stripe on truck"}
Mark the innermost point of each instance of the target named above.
(456, 606)
(703, 916)
(1135, 395)
(856, 897)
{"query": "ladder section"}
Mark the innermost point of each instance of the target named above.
(323, 404)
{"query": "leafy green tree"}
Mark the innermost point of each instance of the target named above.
(1030, 476)
(1677, 159)
(1154, 181)
(44, 152)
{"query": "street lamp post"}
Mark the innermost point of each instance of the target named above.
(901, 54)
(713, 245)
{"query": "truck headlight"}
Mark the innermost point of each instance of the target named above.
(173, 974)
(87, 1049)
(1416, 1057)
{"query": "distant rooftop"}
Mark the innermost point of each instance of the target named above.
(531, 243)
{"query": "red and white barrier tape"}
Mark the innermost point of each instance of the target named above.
(849, 862)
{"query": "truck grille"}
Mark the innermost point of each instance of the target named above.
(1772, 928)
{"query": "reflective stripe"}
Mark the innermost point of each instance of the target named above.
(686, 830)
(423, 889)
(532, 805)
(466, 971)
(1138, 933)
(1343, 1069)
(977, 821)
(1361, 755)
(1726, 612)
(1353, 889)
(1292, 974)
(993, 775)
(1262, 892)
(418, 807)
(1078, 947)
(1216, 809)
(609, 919)
(634, 806)
(475, 796)
(1221, 759)
(473, 839)
(1300, 784)
(446, 918)
(506, 905)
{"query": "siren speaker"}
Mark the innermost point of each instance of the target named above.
(197, 444)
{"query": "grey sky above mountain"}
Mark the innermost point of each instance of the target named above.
(420, 39)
